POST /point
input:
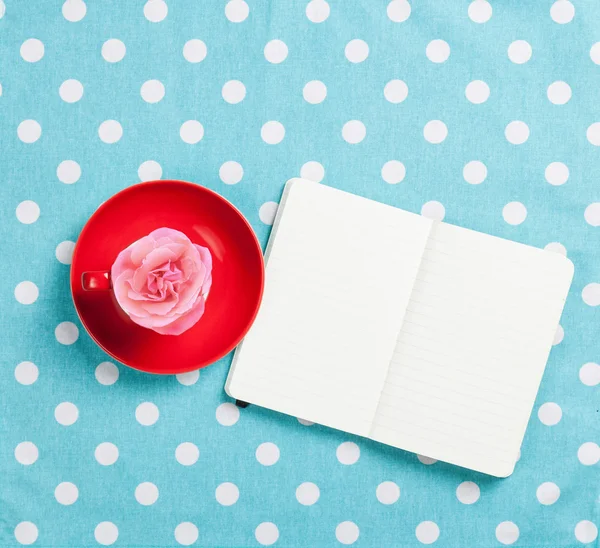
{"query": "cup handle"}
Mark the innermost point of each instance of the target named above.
(96, 281)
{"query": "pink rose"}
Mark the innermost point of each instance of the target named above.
(162, 281)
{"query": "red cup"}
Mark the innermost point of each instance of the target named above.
(208, 220)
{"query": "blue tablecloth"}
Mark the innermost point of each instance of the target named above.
(484, 114)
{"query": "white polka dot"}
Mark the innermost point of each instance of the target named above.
(194, 51)
(66, 493)
(516, 132)
(586, 531)
(26, 532)
(155, 10)
(356, 50)
(28, 212)
(593, 134)
(187, 453)
(468, 492)
(231, 172)
(562, 11)
(592, 214)
(186, 533)
(595, 53)
(27, 453)
(514, 213)
(557, 173)
(227, 494)
(236, 11)
(398, 10)
(113, 50)
(110, 131)
(387, 492)
(304, 422)
(267, 453)
(589, 374)
(559, 335)
(550, 413)
(29, 131)
(191, 132)
(146, 413)
(107, 373)
(27, 373)
(393, 172)
(272, 132)
(317, 11)
(426, 460)
(348, 453)
(106, 533)
(26, 292)
(66, 413)
(227, 414)
(347, 532)
(267, 212)
(2, 9)
(427, 532)
(146, 493)
(559, 93)
(519, 52)
(71, 91)
(314, 92)
(354, 132)
(591, 294)
(556, 247)
(68, 172)
(276, 51)
(480, 11)
(588, 454)
(32, 50)
(313, 171)
(433, 210)
(106, 453)
(266, 533)
(149, 171)
(437, 51)
(233, 92)
(395, 91)
(74, 10)
(507, 532)
(477, 92)
(547, 493)
(152, 91)
(307, 493)
(66, 333)
(475, 172)
(189, 378)
(435, 131)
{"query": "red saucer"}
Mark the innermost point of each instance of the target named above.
(207, 219)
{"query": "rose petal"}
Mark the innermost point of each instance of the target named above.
(157, 257)
(170, 233)
(121, 286)
(141, 248)
(205, 256)
(163, 307)
(183, 323)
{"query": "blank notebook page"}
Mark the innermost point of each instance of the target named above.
(340, 270)
(472, 349)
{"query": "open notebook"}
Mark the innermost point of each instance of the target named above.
(415, 333)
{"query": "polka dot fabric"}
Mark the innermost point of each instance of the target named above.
(479, 112)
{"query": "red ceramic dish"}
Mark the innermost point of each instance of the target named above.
(207, 219)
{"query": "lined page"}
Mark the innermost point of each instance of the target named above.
(472, 349)
(340, 270)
